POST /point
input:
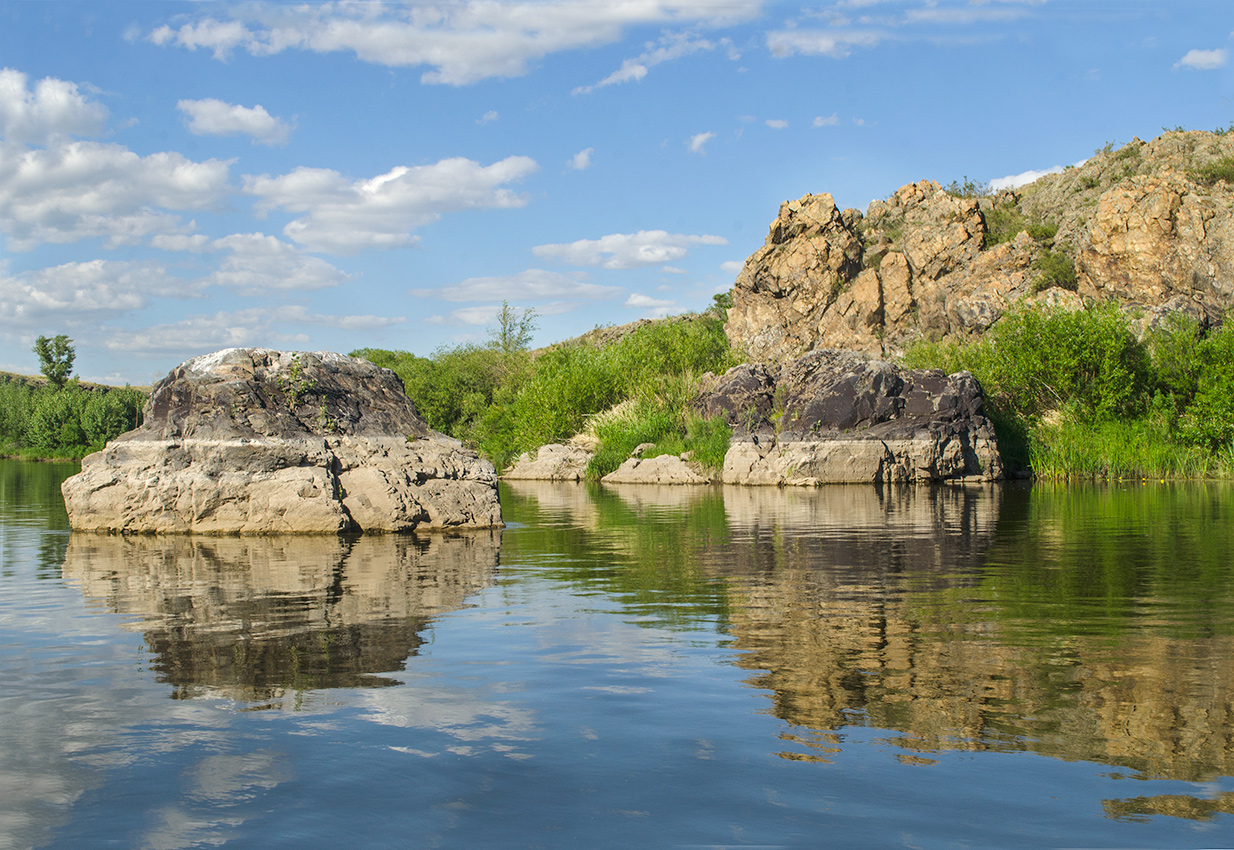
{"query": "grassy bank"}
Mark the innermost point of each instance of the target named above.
(630, 391)
(1081, 395)
(41, 421)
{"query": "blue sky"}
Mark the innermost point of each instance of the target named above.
(181, 177)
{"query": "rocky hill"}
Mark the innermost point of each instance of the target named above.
(1149, 225)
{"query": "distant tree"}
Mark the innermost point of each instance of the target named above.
(56, 357)
(513, 329)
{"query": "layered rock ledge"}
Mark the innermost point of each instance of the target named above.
(252, 440)
(834, 416)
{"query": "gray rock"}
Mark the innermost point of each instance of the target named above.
(662, 469)
(258, 441)
(835, 416)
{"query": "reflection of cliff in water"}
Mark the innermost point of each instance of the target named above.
(252, 618)
(1087, 624)
(1000, 619)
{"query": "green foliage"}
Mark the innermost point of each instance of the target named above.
(1209, 418)
(509, 402)
(968, 188)
(1055, 268)
(1075, 394)
(56, 355)
(64, 422)
(1219, 171)
(513, 330)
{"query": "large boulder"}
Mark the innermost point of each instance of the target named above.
(251, 440)
(833, 416)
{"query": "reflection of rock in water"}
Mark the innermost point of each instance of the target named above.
(253, 617)
(868, 611)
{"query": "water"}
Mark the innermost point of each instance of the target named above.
(639, 667)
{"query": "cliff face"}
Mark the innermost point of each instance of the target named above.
(1149, 226)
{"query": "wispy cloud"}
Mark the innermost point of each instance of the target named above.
(626, 250)
(581, 161)
(528, 285)
(697, 143)
(668, 48)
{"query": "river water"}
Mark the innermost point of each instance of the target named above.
(1004, 666)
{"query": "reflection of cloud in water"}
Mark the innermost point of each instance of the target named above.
(470, 719)
(261, 617)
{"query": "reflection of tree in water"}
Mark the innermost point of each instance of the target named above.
(253, 618)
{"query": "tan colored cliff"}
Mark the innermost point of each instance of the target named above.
(1146, 226)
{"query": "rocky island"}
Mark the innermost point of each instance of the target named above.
(252, 440)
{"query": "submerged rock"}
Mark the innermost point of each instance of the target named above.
(252, 440)
(835, 416)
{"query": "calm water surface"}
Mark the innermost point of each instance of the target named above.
(846, 667)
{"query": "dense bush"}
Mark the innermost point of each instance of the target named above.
(67, 422)
(1077, 393)
(507, 402)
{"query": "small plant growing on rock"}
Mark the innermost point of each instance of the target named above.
(294, 383)
(1056, 269)
(968, 188)
(1219, 171)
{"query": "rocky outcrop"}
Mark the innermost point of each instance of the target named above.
(257, 441)
(835, 416)
(1145, 226)
(661, 469)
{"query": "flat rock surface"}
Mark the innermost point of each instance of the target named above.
(252, 440)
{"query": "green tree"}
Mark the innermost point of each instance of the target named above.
(56, 357)
(513, 329)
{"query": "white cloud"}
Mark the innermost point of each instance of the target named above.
(732, 267)
(651, 307)
(460, 42)
(89, 291)
(260, 263)
(777, 123)
(669, 47)
(1203, 60)
(962, 16)
(834, 43)
(52, 108)
(198, 334)
(256, 326)
(488, 117)
(480, 316)
(529, 285)
(831, 120)
(626, 250)
(1013, 181)
(581, 161)
(345, 217)
(212, 117)
(80, 190)
(697, 142)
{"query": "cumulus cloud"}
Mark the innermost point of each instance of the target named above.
(777, 123)
(480, 316)
(698, 142)
(212, 117)
(669, 47)
(488, 117)
(1203, 60)
(459, 42)
(529, 285)
(832, 120)
(626, 250)
(83, 189)
(581, 161)
(1013, 181)
(51, 108)
(257, 263)
(344, 217)
(91, 291)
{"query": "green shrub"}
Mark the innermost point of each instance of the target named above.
(1208, 420)
(1219, 171)
(1055, 268)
